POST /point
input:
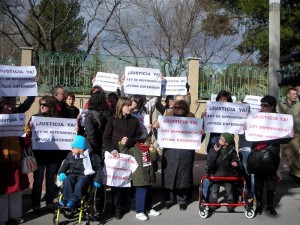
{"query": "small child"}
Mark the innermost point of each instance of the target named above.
(82, 167)
(222, 160)
(144, 153)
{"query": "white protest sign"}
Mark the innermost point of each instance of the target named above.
(179, 132)
(144, 123)
(18, 81)
(145, 85)
(173, 86)
(82, 113)
(213, 97)
(140, 71)
(118, 170)
(225, 117)
(12, 125)
(254, 102)
(108, 81)
(268, 126)
(49, 133)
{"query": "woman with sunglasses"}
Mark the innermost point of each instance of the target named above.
(268, 179)
(48, 161)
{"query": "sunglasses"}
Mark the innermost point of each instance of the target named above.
(178, 108)
(264, 105)
(44, 104)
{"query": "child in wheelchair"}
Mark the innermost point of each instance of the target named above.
(223, 161)
(80, 169)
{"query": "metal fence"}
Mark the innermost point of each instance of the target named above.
(239, 80)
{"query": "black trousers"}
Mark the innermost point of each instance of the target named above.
(75, 187)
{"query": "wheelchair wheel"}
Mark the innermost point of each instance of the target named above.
(250, 213)
(203, 212)
(99, 201)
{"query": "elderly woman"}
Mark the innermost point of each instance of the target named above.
(177, 164)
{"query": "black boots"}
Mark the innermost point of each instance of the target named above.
(259, 198)
(270, 203)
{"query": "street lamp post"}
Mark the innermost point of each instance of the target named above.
(274, 46)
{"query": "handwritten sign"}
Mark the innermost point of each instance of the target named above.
(268, 126)
(118, 171)
(18, 81)
(225, 117)
(146, 85)
(49, 133)
(108, 81)
(173, 86)
(179, 132)
(12, 125)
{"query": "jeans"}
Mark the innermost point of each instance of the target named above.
(143, 199)
(75, 187)
(38, 178)
(245, 155)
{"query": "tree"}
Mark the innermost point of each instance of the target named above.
(254, 15)
(170, 31)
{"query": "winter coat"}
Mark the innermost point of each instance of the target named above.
(294, 110)
(220, 165)
(11, 178)
(117, 128)
(142, 176)
(177, 165)
(74, 166)
(95, 123)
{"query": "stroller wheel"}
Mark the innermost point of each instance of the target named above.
(203, 213)
(249, 213)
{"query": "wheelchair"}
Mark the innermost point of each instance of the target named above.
(91, 207)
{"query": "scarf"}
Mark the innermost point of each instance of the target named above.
(145, 155)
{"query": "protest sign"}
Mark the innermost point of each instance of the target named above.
(145, 85)
(254, 102)
(12, 125)
(108, 81)
(18, 81)
(144, 123)
(49, 133)
(140, 71)
(225, 117)
(118, 170)
(179, 132)
(173, 86)
(268, 126)
(213, 97)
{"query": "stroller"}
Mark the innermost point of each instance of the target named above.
(242, 196)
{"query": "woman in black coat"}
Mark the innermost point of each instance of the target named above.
(125, 127)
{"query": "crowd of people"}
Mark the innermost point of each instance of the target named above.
(111, 125)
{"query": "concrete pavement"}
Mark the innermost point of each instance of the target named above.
(287, 205)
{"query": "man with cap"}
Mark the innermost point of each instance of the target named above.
(79, 169)
(222, 161)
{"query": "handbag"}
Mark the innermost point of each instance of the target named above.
(29, 163)
(260, 161)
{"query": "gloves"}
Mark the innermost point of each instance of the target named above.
(62, 176)
(96, 184)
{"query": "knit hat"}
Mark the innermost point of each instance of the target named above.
(228, 137)
(79, 142)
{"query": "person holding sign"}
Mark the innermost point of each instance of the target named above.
(11, 178)
(176, 165)
(223, 161)
(48, 160)
(144, 176)
(267, 178)
(291, 106)
(122, 126)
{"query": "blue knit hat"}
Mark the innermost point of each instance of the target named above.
(79, 142)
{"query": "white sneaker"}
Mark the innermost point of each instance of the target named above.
(153, 212)
(141, 216)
